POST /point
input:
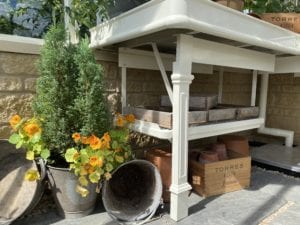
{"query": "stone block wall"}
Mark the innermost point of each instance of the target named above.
(283, 109)
(17, 85)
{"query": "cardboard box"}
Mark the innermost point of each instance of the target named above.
(220, 177)
(290, 21)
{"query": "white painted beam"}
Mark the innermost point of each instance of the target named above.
(212, 53)
(102, 55)
(290, 64)
(139, 59)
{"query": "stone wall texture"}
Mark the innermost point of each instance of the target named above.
(17, 85)
(144, 87)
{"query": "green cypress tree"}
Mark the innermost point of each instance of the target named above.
(69, 93)
(90, 104)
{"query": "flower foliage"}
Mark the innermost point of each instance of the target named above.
(274, 6)
(94, 158)
(27, 135)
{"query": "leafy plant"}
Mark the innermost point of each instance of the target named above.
(27, 135)
(69, 94)
(6, 25)
(94, 158)
(31, 18)
(272, 6)
(84, 13)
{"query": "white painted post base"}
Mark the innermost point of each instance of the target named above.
(179, 205)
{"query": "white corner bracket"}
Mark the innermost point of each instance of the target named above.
(162, 71)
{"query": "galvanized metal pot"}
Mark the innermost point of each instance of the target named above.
(133, 193)
(70, 203)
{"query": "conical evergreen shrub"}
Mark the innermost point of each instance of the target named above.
(69, 93)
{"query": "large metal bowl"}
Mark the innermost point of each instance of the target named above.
(17, 196)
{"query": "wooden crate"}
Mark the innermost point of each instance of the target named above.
(163, 115)
(201, 102)
(220, 177)
(221, 113)
(247, 112)
(290, 21)
(231, 112)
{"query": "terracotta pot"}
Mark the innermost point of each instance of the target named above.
(235, 143)
(220, 148)
(234, 4)
(162, 159)
(208, 157)
(194, 154)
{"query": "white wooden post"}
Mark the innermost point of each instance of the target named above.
(181, 79)
(70, 28)
(220, 91)
(123, 88)
(254, 85)
(263, 95)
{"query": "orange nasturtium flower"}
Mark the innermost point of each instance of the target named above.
(31, 129)
(130, 118)
(120, 121)
(106, 140)
(96, 161)
(89, 168)
(95, 142)
(14, 120)
(85, 140)
(106, 137)
(76, 137)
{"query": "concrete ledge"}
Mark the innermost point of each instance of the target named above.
(18, 44)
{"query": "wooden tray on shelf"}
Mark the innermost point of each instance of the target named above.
(224, 112)
(200, 102)
(163, 115)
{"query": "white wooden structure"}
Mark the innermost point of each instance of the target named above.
(194, 34)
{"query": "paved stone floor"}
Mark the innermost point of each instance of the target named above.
(272, 199)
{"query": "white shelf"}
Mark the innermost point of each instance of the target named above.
(152, 129)
(201, 131)
(223, 128)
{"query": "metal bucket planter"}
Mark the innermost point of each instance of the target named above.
(17, 196)
(133, 193)
(70, 203)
